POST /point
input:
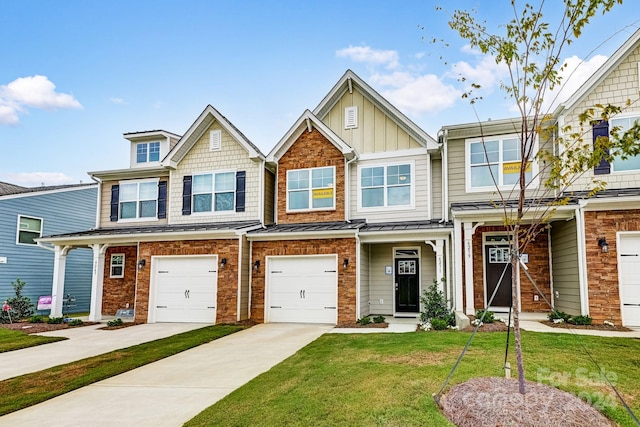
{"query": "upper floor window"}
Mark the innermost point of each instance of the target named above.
(147, 152)
(138, 199)
(214, 192)
(631, 163)
(386, 186)
(309, 189)
(29, 229)
(495, 161)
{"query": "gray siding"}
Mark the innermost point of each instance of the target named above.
(364, 280)
(436, 188)
(269, 196)
(565, 266)
(62, 212)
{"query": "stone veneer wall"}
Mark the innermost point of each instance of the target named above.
(118, 292)
(311, 150)
(602, 269)
(227, 277)
(344, 248)
(539, 270)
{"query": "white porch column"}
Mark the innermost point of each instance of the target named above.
(57, 286)
(95, 309)
(457, 263)
(468, 267)
(438, 249)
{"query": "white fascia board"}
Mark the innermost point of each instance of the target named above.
(612, 203)
(140, 237)
(132, 173)
(404, 236)
(131, 136)
(307, 235)
(497, 214)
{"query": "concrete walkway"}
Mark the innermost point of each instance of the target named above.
(173, 390)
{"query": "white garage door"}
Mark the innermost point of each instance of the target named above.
(629, 277)
(302, 289)
(186, 289)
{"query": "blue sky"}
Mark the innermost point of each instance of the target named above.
(76, 75)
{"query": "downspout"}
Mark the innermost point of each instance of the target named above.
(99, 182)
(347, 188)
(582, 259)
(445, 176)
(263, 170)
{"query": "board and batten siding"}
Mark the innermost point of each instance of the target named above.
(269, 197)
(365, 309)
(422, 192)
(375, 133)
(564, 255)
(231, 157)
(105, 206)
(62, 212)
(619, 86)
(436, 188)
(381, 285)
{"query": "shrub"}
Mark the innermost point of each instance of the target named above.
(435, 306)
(557, 315)
(488, 318)
(55, 320)
(365, 320)
(439, 324)
(379, 319)
(20, 305)
(115, 322)
(75, 322)
(36, 319)
(581, 320)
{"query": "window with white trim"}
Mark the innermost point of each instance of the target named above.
(116, 271)
(147, 152)
(386, 185)
(214, 192)
(311, 189)
(29, 228)
(138, 200)
(631, 163)
(496, 158)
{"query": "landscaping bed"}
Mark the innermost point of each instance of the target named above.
(596, 327)
(37, 328)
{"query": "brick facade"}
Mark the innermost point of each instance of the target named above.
(344, 248)
(602, 269)
(311, 150)
(227, 305)
(118, 292)
(539, 269)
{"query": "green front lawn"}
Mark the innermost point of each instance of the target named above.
(15, 340)
(26, 390)
(389, 379)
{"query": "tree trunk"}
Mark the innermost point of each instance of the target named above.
(515, 298)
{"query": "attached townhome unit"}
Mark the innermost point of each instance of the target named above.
(359, 226)
(170, 244)
(26, 214)
(606, 282)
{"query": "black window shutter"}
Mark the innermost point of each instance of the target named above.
(186, 195)
(162, 199)
(241, 184)
(115, 199)
(601, 129)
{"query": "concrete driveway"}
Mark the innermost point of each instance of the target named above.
(173, 390)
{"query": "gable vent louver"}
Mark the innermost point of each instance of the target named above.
(215, 140)
(351, 117)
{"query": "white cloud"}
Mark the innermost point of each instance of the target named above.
(486, 72)
(365, 54)
(419, 55)
(31, 92)
(116, 100)
(417, 94)
(36, 179)
(575, 72)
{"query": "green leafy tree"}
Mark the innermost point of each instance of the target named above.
(20, 304)
(530, 48)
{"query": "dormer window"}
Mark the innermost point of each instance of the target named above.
(147, 152)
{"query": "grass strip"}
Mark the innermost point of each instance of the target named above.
(15, 340)
(389, 379)
(30, 389)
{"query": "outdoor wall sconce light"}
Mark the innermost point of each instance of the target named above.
(604, 246)
(345, 263)
(223, 262)
(141, 264)
(256, 265)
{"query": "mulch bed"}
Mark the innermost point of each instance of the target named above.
(37, 328)
(603, 327)
(497, 402)
(358, 325)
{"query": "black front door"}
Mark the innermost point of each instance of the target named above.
(407, 286)
(496, 260)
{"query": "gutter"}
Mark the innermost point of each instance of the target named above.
(98, 213)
